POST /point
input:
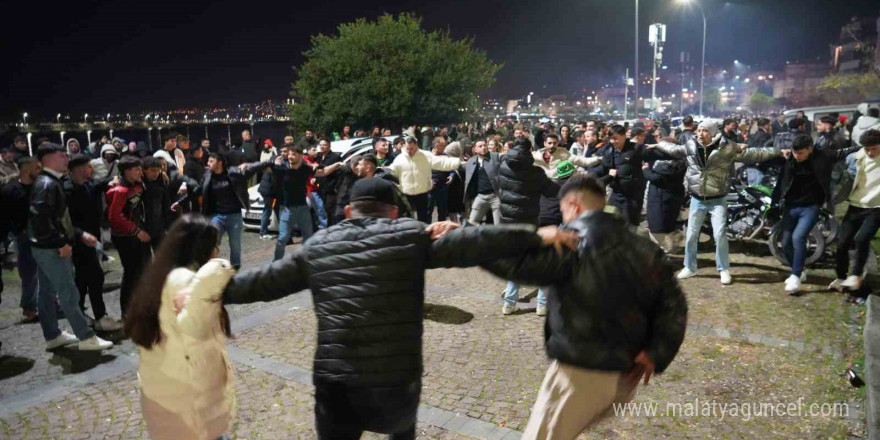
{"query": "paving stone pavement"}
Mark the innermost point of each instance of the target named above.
(482, 370)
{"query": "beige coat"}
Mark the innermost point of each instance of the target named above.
(8, 172)
(187, 382)
(560, 155)
(414, 172)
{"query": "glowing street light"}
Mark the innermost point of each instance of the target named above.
(24, 117)
(703, 58)
(86, 118)
(58, 118)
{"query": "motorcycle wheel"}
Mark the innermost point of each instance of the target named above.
(829, 225)
(815, 245)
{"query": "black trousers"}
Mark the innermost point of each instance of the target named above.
(330, 208)
(134, 255)
(630, 208)
(89, 279)
(419, 204)
(859, 226)
(344, 413)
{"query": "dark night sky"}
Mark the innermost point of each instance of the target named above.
(119, 56)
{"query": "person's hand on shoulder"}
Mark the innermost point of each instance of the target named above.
(439, 229)
(552, 236)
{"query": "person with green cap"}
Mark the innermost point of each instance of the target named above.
(550, 213)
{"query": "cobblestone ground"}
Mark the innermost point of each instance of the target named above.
(746, 343)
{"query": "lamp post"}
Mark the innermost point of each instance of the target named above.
(58, 118)
(86, 118)
(703, 58)
(24, 117)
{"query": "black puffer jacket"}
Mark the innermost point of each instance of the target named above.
(367, 278)
(609, 301)
(522, 185)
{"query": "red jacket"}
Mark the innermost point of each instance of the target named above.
(311, 185)
(125, 209)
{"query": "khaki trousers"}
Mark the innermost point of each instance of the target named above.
(572, 399)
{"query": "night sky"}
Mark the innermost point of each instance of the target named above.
(120, 56)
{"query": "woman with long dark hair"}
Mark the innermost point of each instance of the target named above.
(186, 381)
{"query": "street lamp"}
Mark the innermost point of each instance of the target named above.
(24, 117)
(58, 118)
(703, 58)
(86, 118)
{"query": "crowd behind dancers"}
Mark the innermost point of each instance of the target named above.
(64, 200)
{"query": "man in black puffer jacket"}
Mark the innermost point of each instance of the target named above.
(522, 184)
(367, 278)
(616, 314)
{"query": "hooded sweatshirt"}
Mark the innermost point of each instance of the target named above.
(864, 124)
(77, 142)
(104, 169)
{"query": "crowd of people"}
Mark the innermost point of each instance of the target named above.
(367, 237)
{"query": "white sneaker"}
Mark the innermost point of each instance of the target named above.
(93, 344)
(804, 276)
(265, 237)
(836, 285)
(685, 273)
(793, 284)
(63, 339)
(852, 282)
(541, 311)
(725, 277)
(107, 324)
(508, 309)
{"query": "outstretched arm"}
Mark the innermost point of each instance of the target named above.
(541, 266)
(670, 149)
(756, 155)
(269, 282)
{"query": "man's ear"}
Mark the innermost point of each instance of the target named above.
(347, 211)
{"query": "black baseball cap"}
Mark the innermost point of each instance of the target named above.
(375, 189)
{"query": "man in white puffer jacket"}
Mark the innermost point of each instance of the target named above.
(413, 169)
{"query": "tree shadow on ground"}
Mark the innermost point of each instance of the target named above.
(447, 314)
(11, 366)
(73, 361)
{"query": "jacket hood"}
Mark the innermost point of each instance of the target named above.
(108, 147)
(162, 154)
(519, 158)
(73, 140)
(866, 122)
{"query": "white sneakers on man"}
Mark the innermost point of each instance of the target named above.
(508, 309)
(107, 324)
(836, 285)
(93, 344)
(541, 311)
(852, 282)
(685, 273)
(725, 277)
(793, 283)
(65, 338)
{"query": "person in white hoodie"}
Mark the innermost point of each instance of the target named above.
(870, 120)
(177, 320)
(413, 169)
(105, 165)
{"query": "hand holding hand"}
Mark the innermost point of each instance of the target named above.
(65, 251)
(552, 236)
(440, 229)
(612, 172)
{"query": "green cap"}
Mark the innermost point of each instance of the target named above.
(564, 169)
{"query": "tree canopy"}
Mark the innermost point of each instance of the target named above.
(760, 102)
(389, 72)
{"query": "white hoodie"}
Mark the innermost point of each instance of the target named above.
(864, 124)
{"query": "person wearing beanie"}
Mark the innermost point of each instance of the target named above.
(710, 156)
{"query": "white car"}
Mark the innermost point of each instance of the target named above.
(347, 149)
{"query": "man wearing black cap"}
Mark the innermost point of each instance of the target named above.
(367, 278)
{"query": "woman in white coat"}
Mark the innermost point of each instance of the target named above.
(187, 386)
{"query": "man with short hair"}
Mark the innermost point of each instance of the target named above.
(481, 188)
(207, 147)
(125, 210)
(368, 362)
(862, 219)
(51, 233)
(16, 197)
(20, 148)
(413, 168)
(170, 153)
(601, 344)
(384, 156)
(85, 198)
(327, 184)
(804, 188)
(579, 147)
(687, 130)
(249, 147)
(308, 140)
(762, 135)
(549, 157)
(778, 124)
(808, 126)
(728, 129)
(828, 138)
(294, 175)
(157, 200)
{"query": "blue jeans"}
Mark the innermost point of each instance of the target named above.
(290, 216)
(318, 204)
(231, 225)
(56, 279)
(266, 218)
(511, 295)
(699, 208)
(27, 271)
(796, 226)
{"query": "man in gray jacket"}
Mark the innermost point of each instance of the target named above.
(709, 158)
